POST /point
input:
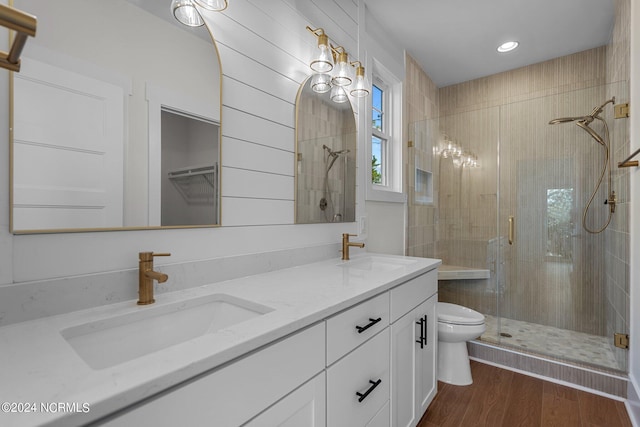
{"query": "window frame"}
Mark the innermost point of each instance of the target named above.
(391, 188)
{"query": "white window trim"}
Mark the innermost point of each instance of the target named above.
(393, 191)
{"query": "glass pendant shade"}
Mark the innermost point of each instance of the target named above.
(186, 13)
(361, 88)
(341, 77)
(321, 83)
(215, 5)
(339, 95)
(323, 63)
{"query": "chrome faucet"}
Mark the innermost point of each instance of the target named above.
(346, 244)
(147, 276)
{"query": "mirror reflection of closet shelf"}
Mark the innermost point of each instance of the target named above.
(196, 184)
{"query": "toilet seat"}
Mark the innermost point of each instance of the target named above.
(458, 315)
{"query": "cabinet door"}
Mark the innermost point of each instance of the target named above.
(414, 339)
(305, 407)
(404, 334)
(426, 384)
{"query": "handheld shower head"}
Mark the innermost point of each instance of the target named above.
(584, 119)
(585, 125)
(335, 154)
(570, 119)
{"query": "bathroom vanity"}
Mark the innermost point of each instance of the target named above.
(332, 343)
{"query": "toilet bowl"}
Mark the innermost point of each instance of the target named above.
(456, 326)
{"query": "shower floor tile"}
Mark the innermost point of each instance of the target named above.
(554, 342)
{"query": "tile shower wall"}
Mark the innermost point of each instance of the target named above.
(421, 112)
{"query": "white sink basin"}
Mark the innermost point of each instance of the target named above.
(377, 264)
(118, 339)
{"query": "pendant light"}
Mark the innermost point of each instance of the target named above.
(361, 88)
(215, 5)
(186, 13)
(341, 76)
(323, 62)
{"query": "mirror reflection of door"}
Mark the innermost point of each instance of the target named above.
(86, 112)
(189, 172)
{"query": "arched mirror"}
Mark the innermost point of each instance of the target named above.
(325, 158)
(115, 119)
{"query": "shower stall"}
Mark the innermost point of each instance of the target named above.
(509, 195)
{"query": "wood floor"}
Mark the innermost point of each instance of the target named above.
(499, 397)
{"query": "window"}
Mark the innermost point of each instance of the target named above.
(385, 147)
(379, 138)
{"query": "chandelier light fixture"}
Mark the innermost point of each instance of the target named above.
(334, 72)
(450, 149)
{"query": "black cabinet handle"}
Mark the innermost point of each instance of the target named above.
(372, 322)
(421, 341)
(426, 329)
(374, 384)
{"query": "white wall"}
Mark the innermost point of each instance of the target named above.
(264, 49)
(633, 404)
(6, 239)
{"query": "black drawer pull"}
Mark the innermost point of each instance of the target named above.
(422, 339)
(374, 384)
(361, 329)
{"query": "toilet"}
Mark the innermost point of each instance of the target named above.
(456, 326)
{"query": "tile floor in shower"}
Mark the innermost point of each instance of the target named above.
(554, 342)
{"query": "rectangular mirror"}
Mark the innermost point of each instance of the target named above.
(115, 119)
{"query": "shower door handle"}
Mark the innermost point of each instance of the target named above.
(511, 229)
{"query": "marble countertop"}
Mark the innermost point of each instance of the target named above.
(38, 366)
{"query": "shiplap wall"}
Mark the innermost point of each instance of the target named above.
(264, 49)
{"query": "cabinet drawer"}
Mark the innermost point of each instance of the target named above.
(235, 393)
(410, 294)
(357, 373)
(349, 329)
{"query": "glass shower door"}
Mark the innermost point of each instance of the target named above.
(553, 275)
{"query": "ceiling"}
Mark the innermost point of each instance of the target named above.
(456, 40)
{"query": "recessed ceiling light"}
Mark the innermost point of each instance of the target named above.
(508, 46)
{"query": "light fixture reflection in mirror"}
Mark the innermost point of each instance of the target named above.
(93, 161)
(214, 5)
(325, 157)
(186, 13)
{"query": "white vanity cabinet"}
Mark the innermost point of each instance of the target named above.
(233, 394)
(414, 338)
(358, 363)
(370, 365)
